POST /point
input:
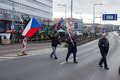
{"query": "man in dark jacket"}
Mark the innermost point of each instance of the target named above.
(104, 48)
(54, 44)
(72, 48)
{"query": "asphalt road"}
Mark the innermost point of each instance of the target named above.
(41, 67)
(17, 48)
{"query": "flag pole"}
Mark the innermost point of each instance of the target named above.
(70, 38)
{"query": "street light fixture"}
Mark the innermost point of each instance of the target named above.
(94, 5)
(94, 11)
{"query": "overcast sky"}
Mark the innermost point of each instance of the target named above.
(85, 7)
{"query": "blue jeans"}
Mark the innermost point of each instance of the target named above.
(53, 51)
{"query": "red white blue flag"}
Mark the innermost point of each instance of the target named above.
(59, 23)
(31, 28)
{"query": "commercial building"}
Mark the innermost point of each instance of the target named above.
(40, 9)
(76, 25)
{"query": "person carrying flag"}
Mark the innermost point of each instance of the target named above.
(72, 48)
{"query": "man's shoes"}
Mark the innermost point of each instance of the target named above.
(106, 68)
(75, 62)
(66, 60)
(50, 56)
(56, 58)
(100, 65)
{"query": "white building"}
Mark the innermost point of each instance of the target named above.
(40, 9)
(37, 8)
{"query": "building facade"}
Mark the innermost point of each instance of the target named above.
(77, 24)
(39, 9)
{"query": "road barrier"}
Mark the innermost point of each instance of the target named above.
(85, 38)
(23, 48)
(82, 39)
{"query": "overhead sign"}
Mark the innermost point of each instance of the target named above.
(109, 17)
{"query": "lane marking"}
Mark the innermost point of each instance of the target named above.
(96, 50)
(76, 58)
(30, 53)
(4, 57)
(69, 60)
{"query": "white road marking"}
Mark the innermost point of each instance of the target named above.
(69, 60)
(115, 33)
(4, 57)
(10, 50)
(96, 50)
(30, 53)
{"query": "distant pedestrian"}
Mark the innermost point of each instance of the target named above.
(72, 48)
(55, 41)
(104, 48)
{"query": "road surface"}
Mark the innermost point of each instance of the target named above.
(16, 48)
(41, 67)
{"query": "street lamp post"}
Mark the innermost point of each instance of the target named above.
(101, 18)
(71, 9)
(94, 14)
(65, 11)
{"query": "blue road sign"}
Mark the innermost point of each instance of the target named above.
(109, 17)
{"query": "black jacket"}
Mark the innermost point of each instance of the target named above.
(103, 45)
(55, 41)
(72, 45)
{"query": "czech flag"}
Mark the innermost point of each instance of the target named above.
(31, 28)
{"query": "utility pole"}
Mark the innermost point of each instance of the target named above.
(13, 22)
(94, 5)
(71, 9)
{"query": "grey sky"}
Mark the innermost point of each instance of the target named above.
(86, 8)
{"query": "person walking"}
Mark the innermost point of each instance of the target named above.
(104, 48)
(54, 44)
(72, 48)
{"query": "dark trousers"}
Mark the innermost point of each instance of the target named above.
(103, 60)
(69, 53)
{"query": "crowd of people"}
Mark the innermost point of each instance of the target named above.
(71, 43)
